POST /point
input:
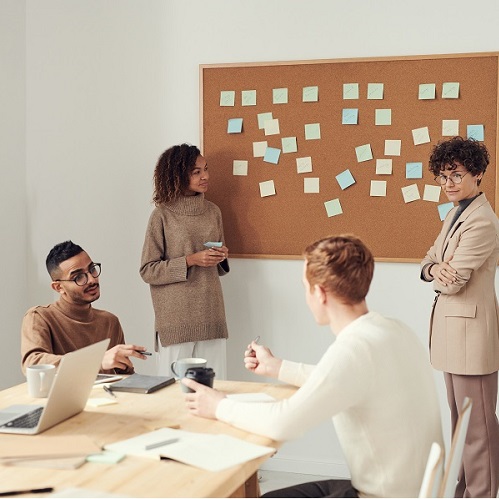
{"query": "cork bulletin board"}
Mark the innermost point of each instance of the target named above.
(345, 148)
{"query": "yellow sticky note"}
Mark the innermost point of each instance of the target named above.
(279, 96)
(432, 193)
(310, 94)
(272, 127)
(450, 90)
(350, 91)
(427, 91)
(248, 98)
(333, 207)
(259, 149)
(304, 165)
(410, 193)
(378, 188)
(421, 135)
(384, 167)
(392, 147)
(312, 131)
(311, 185)
(240, 167)
(227, 97)
(450, 128)
(267, 188)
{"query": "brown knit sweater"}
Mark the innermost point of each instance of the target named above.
(188, 303)
(50, 331)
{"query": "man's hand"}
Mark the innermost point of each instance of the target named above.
(118, 357)
(260, 360)
(203, 402)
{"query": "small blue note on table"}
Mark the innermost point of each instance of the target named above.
(211, 244)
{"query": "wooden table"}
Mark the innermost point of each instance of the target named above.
(133, 415)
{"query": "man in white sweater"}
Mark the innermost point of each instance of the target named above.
(374, 381)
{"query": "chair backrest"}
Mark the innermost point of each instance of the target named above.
(454, 460)
(432, 478)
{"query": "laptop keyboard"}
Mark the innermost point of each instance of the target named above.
(29, 420)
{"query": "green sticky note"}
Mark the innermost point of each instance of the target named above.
(106, 457)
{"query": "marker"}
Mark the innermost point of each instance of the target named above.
(108, 390)
(160, 444)
(143, 353)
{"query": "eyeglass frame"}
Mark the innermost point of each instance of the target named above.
(93, 265)
(438, 178)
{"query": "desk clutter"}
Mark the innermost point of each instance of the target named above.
(107, 446)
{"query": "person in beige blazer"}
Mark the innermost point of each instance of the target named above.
(464, 328)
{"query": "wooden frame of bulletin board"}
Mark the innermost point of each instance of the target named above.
(356, 134)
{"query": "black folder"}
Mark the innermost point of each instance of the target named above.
(142, 383)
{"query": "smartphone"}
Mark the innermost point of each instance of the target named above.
(107, 378)
(211, 244)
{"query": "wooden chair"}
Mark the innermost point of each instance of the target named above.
(454, 459)
(432, 478)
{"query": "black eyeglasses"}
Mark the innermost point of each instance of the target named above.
(456, 178)
(82, 278)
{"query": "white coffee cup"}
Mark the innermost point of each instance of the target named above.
(40, 378)
(180, 366)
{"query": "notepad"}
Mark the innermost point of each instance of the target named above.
(202, 450)
(142, 383)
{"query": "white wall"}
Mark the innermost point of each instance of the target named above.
(13, 220)
(111, 83)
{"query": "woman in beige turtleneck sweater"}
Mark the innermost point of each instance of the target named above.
(182, 273)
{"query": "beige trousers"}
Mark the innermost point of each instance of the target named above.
(479, 475)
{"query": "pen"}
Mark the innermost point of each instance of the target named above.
(160, 444)
(143, 353)
(108, 390)
(31, 491)
(255, 341)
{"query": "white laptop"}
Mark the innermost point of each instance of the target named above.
(67, 397)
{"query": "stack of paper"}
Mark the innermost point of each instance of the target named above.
(205, 451)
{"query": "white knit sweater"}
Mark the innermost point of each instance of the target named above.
(376, 384)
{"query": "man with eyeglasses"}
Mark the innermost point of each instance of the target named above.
(50, 331)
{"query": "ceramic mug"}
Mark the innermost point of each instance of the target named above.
(180, 366)
(203, 375)
(40, 378)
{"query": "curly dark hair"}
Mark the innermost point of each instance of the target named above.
(171, 175)
(468, 152)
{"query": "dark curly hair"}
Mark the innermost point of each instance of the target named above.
(171, 175)
(468, 152)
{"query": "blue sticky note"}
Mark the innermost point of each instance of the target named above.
(414, 170)
(475, 132)
(235, 125)
(350, 117)
(345, 179)
(443, 209)
(272, 155)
